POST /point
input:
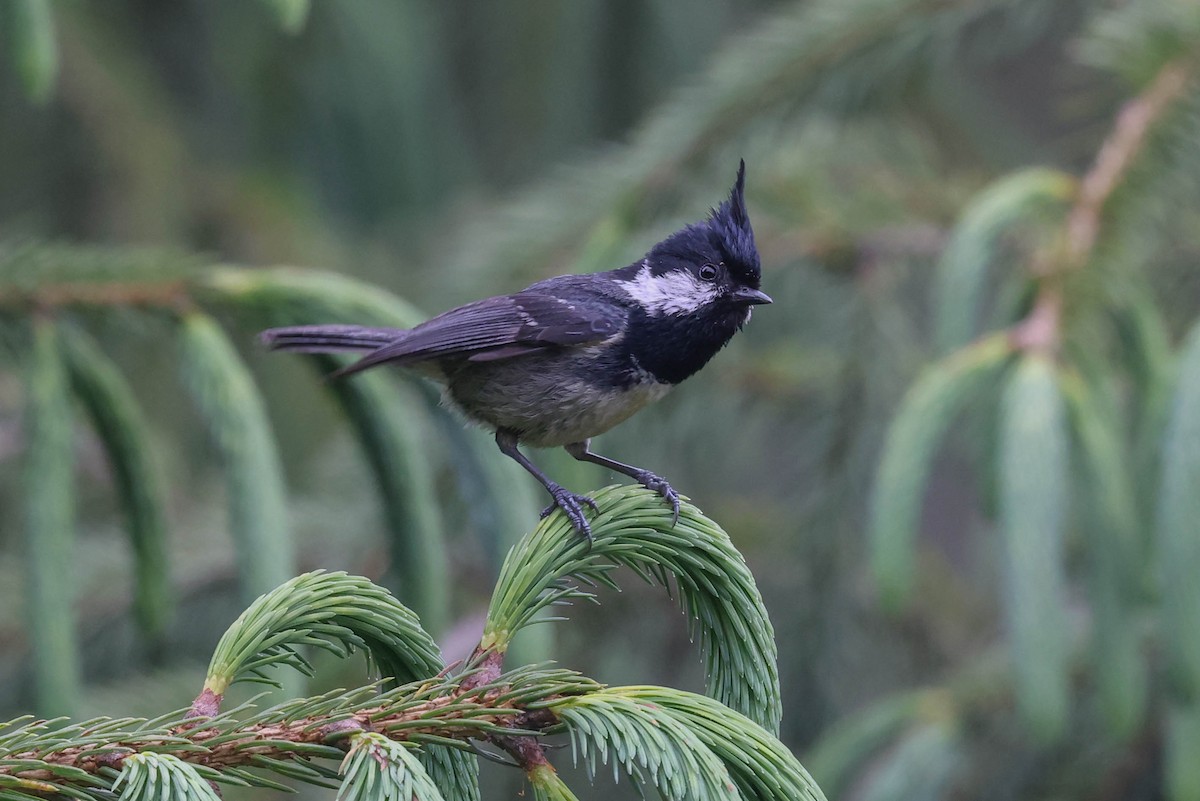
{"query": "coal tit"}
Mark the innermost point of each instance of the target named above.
(570, 357)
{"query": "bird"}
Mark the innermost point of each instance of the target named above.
(568, 358)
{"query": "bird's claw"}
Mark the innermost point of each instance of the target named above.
(572, 504)
(656, 483)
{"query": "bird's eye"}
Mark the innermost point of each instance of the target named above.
(708, 273)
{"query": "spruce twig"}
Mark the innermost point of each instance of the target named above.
(1039, 331)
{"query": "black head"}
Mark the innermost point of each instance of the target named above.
(724, 240)
(731, 233)
(695, 290)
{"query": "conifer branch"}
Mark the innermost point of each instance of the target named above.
(233, 409)
(1039, 331)
(76, 758)
(331, 611)
(120, 424)
(50, 523)
(552, 566)
(1118, 153)
(689, 746)
(172, 294)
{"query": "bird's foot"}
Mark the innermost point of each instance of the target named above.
(656, 483)
(572, 504)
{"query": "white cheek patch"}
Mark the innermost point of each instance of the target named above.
(676, 292)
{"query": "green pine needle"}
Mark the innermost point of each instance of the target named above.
(648, 742)
(50, 525)
(762, 767)
(548, 785)
(687, 745)
(286, 296)
(65, 272)
(1175, 536)
(121, 426)
(1033, 465)
(33, 46)
(1115, 557)
(963, 266)
(332, 611)
(379, 769)
(929, 407)
(387, 418)
(634, 529)
(229, 401)
(149, 776)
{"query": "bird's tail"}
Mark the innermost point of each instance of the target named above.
(328, 338)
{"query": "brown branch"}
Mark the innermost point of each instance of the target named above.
(274, 738)
(1040, 329)
(1117, 155)
(206, 705)
(171, 295)
(526, 750)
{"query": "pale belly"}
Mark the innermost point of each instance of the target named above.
(542, 411)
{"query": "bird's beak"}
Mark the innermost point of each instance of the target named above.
(751, 297)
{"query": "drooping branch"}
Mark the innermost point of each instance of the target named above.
(1118, 153)
(443, 711)
(168, 295)
(1081, 231)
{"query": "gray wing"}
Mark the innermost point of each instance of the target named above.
(502, 327)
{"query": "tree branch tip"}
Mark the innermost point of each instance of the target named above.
(1039, 331)
(206, 705)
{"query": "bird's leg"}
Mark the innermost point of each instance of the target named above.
(570, 502)
(651, 481)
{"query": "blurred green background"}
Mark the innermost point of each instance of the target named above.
(994, 601)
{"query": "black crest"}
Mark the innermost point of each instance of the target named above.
(726, 236)
(731, 223)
